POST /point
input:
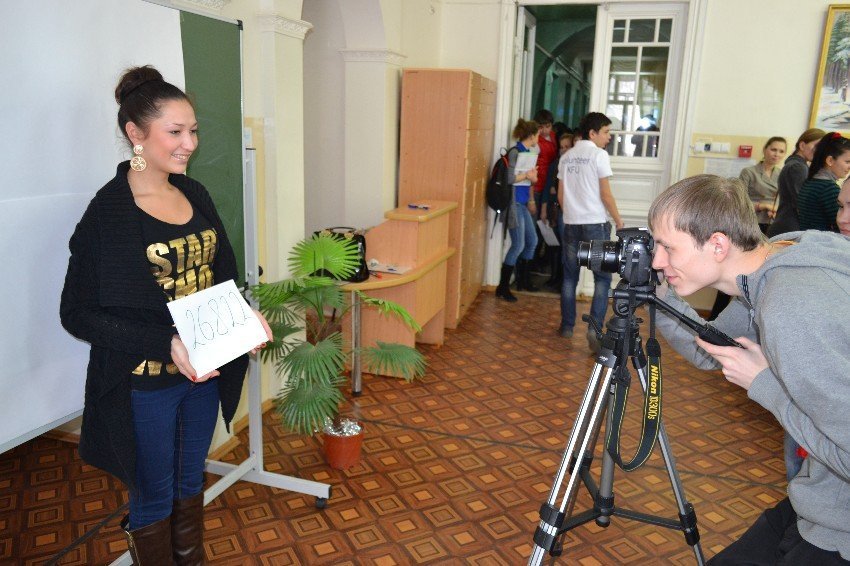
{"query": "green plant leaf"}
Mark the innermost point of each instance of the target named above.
(390, 308)
(279, 346)
(338, 256)
(313, 371)
(396, 359)
(315, 364)
(320, 296)
(303, 406)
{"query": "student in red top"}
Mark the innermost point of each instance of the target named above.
(548, 144)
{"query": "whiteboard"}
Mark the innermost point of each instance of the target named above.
(60, 144)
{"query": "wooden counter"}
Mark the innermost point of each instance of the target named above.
(413, 238)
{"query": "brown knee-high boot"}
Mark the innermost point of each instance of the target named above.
(151, 544)
(187, 530)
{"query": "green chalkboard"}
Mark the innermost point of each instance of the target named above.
(212, 63)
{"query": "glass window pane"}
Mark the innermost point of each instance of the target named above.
(619, 31)
(620, 146)
(642, 30)
(620, 114)
(624, 60)
(650, 95)
(664, 28)
(643, 145)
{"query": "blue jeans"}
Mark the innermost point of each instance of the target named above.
(173, 429)
(573, 234)
(523, 237)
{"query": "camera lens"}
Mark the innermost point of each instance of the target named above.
(599, 255)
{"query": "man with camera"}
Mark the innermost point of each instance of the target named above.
(791, 313)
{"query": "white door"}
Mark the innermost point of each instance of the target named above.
(637, 68)
(524, 40)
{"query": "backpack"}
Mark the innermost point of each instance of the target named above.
(499, 192)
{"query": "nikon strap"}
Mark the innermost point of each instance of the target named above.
(651, 406)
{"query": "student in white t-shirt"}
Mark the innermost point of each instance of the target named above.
(584, 192)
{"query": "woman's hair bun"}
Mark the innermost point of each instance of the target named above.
(133, 78)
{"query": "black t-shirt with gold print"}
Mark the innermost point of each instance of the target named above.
(180, 258)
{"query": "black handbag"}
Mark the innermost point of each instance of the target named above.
(347, 232)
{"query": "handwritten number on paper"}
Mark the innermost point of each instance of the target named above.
(204, 331)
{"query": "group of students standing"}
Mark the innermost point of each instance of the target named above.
(802, 194)
(534, 199)
(578, 214)
(799, 195)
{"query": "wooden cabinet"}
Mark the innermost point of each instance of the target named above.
(417, 240)
(447, 119)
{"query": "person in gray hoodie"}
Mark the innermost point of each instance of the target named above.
(791, 312)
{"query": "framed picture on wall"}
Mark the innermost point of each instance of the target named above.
(831, 102)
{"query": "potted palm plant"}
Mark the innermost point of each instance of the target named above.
(303, 312)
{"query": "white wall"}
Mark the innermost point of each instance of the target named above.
(759, 65)
(324, 116)
(421, 22)
(470, 38)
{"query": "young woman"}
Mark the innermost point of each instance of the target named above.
(521, 215)
(761, 180)
(817, 202)
(149, 236)
(791, 178)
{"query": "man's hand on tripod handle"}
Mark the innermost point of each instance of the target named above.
(740, 365)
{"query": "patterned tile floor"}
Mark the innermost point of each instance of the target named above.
(454, 467)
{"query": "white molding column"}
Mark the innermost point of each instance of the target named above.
(372, 87)
(282, 99)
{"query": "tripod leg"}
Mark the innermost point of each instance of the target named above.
(687, 515)
(587, 424)
(605, 495)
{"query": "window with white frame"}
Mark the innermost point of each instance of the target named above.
(636, 82)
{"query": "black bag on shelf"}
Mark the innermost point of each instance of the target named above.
(347, 232)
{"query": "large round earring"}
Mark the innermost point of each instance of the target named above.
(138, 162)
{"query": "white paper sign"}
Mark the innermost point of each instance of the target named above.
(548, 234)
(216, 325)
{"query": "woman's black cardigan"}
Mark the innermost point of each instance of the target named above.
(112, 301)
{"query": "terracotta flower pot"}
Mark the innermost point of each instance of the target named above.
(342, 452)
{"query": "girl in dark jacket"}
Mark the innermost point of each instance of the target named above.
(791, 178)
(149, 236)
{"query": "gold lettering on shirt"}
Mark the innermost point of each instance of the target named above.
(140, 369)
(154, 368)
(178, 246)
(209, 238)
(160, 266)
(184, 265)
(171, 369)
(193, 254)
(205, 278)
(186, 284)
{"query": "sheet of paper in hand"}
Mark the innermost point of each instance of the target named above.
(216, 325)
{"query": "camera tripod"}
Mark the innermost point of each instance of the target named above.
(621, 340)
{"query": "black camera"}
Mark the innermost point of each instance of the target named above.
(630, 256)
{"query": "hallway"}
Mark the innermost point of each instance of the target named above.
(454, 469)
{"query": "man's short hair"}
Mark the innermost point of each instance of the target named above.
(544, 117)
(705, 204)
(594, 121)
